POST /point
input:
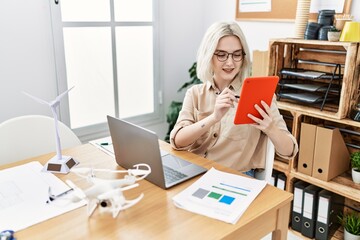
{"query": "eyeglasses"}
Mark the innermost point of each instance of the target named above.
(237, 56)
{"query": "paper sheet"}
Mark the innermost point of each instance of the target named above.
(220, 195)
(23, 196)
(254, 6)
(104, 144)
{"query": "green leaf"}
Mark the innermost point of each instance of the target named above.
(355, 160)
(351, 222)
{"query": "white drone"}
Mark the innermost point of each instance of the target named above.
(108, 194)
(59, 163)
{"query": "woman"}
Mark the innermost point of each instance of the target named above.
(205, 123)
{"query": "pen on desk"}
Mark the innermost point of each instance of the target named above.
(104, 144)
(53, 197)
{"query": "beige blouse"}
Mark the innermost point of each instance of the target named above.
(241, 147)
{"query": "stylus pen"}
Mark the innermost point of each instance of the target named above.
(52, 197)
(218, 93)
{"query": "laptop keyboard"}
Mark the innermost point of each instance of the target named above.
(172, 175)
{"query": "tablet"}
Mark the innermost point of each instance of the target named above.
(254, 90)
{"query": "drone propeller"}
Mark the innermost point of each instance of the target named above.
(114, 201)
(128, 204)
(140, 171)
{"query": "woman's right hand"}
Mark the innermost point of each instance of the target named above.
(223, 103)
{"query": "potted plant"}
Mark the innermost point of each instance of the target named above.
(351, 224)
(355, 166)
(175, 107)
(333, 34)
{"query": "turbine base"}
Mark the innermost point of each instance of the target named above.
(63, 165)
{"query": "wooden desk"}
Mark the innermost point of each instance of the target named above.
(155, 216)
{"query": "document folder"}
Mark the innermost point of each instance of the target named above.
(331, 156)
(310, 202)
(281, 181)
(329, 206)
(306, 148)
(296, 214)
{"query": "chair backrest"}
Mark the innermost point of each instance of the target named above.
(269, 163)
(32, 135)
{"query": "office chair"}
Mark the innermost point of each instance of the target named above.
(269, 163)
(32, 135)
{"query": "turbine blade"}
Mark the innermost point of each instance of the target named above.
(63, 94)
(37, 99)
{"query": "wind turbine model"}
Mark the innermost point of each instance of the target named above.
(58, 163)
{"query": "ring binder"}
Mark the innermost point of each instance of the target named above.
(310, 204)
(296, 214)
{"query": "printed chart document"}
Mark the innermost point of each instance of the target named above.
(220, 195)
(24, 192)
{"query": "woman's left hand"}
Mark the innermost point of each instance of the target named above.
(265, 124)
(282, 142)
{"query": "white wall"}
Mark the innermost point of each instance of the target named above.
(26, 57)
(181, 31)
(27, 60)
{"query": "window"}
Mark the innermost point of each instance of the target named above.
(106, 49)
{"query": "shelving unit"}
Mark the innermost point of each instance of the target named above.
(288, 55)
(318, 56)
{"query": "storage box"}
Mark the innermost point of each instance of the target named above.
(331, 156)
(306, 148)
(323, 153)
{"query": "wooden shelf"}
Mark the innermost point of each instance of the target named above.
(338, 235)
(284, 53)
(308, 111)
(326, 44)
(342, 185)
(281, 166)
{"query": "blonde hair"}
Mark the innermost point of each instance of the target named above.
(208, 46)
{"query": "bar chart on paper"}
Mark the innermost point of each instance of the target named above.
(220, 195)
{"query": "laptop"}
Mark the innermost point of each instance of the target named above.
(134, 144)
